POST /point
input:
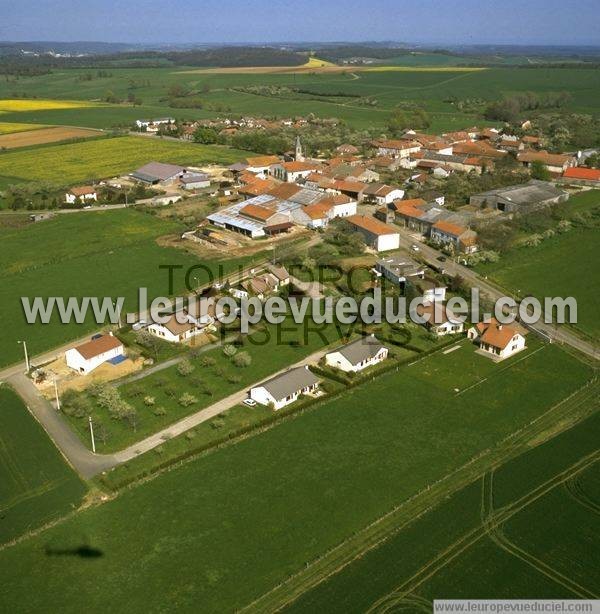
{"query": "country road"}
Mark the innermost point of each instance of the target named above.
(549, 331)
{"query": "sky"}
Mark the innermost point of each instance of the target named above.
(544, 22)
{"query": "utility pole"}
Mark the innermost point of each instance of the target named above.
(56, 394)
(26, 355)
(92, 435)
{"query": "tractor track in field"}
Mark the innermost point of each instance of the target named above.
(489, 528)
(565, 414)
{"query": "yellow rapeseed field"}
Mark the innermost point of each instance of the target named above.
(12, 105)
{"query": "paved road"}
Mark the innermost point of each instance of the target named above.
(201, 416)
(487, 289)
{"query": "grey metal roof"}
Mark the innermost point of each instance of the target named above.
(404, 267)
(144, 177)
(159, 170)
(194, 177)
(533, 191)
(290, 382)
(361, 349)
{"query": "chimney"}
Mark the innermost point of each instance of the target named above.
(499, 326)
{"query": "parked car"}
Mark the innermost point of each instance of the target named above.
(249, 402)
(415, 248)
(442, 258)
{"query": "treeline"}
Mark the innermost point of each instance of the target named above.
(509, 109)
(222, 56)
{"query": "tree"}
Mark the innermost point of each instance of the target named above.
(205, 135)
(185, 368)
(242, 359)
(539, 171)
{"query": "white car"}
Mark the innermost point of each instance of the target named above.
(249, 402)
(415, 248)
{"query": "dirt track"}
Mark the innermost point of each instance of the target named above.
(45, 135)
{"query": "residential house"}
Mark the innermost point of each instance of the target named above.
(381, 194)
(431, 289)
(293, 171)
(398, 269)
(81, 195)
(582, 176)
(347, 149)
(441, 320)
(146, 123)
(460, 238)
(261, 165)
(555, 163)
(285, 388)
(353, 189)
(377, 235)
(400, 148)
(500, 341)
(88, 356)
(281, 273)
(358, 355)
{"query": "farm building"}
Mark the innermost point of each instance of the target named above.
(521, 198)
(358, 355)
(382, 194)
(86, 357)
(498, 340)
(377, 235)
(158, 173)
(194, 181)
(285, 388)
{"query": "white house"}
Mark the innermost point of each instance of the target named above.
(498, 340)
(291, 172)
(86, 357)
(285, 388)
(442, 321)
(81, 194)
(174, 331)
(261, 165)
(382, 194)
(144, 123)
(358, 355)
(343, 206)
(377, 235)
(398, 148)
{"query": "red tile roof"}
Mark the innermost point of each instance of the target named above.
(257, 212)
(98, 346)
(371, 225)
(589, 174)
(450, 228)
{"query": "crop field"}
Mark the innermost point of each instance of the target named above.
(522, 532)
(17, 105)
(110, 253)
(36, 485)
(351, 459)
(41, 136)
(12, 127)
(80, 162)
(424, 83)
(555, 267)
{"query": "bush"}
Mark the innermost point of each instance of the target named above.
(171, 391)
(185, 368)
(207, 361)
(243, 359)
(149, 401)
(229, 350)
(159, 411)
(187, 399)
(234, 379)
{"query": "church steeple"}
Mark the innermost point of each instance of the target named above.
(299, 153)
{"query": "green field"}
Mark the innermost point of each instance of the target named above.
(110, 253)
(455, 554)
(99, 159)
(223, 529)
(560, 266)
(36, 484)
(391, 87)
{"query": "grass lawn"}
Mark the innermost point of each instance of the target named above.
(36, 485)
(227, 527)
(11, 128)
(110, 253)
(555, 528)
(81, 162)
(269, 350)
(563, 265)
